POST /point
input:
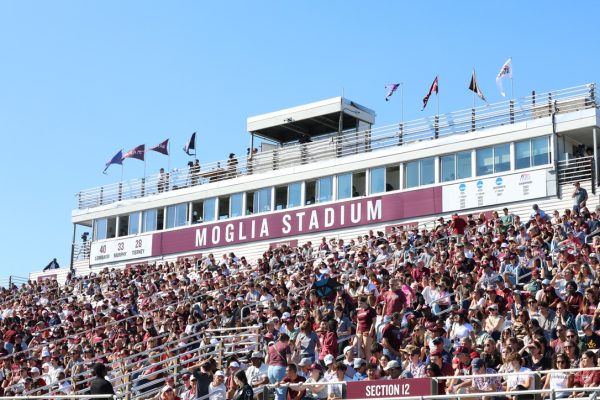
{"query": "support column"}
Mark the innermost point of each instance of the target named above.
(595, 163)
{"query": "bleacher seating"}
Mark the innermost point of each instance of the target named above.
(376, 297)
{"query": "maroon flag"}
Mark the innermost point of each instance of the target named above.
(136, 152)
(433, 88)
(162, 148)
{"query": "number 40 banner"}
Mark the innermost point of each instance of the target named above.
(120, 249)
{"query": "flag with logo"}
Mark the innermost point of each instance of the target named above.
(137, 152)
(505, 72)
(432, 89)
(392, 87)
(162, 148)
(116, 159)
(474, 87)
(190, 145)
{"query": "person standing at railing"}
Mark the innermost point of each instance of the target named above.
(579, 197)
(99, 385)
(278, 358)
(232, 163)
(163, 181)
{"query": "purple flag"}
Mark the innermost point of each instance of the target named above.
(433, 89)
(136, 152)
(117, 159)
(391, 89)
(162, 148)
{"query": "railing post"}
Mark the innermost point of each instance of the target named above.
(511, 111)
(143, 192)
(220, 355)
(549, 104)
(368, 140)
(275, 160)
(101, 195)
(401, 134)
(473, 119)
(120, 190)
(436, 127)
(79, 199)
(552, 395)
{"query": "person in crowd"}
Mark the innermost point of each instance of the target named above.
(559, 380)
(258, 373)
(244, 389)
(99, 384)
(291, 380)
(217, 389)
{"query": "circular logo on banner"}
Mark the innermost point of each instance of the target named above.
(498, 181)
(462, 187)
(479, 185)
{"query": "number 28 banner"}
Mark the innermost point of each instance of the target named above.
(116, 250)
(390, 388)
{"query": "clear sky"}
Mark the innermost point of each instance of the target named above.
(81, 79)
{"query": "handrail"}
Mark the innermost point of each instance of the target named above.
(350, 143)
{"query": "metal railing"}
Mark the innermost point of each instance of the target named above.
(575, 169)
(350, 143)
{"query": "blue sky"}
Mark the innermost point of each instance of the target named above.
(81, 79)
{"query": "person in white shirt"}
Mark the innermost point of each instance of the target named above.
(217, 389)
(257, 373)
(523, 381)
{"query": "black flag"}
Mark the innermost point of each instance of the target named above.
(52, 265)
(190, 145)
(474, 87)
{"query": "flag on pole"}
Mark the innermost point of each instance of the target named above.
(190, 145)
(505, 72)
(136, 152)
(162, 148)
(117, 159)
(433, 88)
(474, 87)
(391, 89)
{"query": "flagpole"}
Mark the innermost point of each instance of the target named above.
(121, 171)
(437, 95)
(512, 85)
(169, 156)
(402, 102)
(473, 81)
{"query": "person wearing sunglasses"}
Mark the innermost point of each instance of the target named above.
(587, 378)
(559, 380)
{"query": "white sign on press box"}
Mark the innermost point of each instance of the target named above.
(495, 190)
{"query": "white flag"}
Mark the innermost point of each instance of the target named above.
(505, 72)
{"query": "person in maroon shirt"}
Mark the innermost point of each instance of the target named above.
(291, 378)
(365, 331)
(394, 299)
(458, 225)
(574, 299)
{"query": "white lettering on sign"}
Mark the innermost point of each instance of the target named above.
(120, 249)
(388, 390)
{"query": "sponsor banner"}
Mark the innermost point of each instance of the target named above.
(303, 221)
(121, 249)
(494, 191)
(389, 388)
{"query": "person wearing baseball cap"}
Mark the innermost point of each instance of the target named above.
(393, 369)
(257, 373)
(360, 366)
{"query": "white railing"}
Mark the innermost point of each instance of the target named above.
(350, 143)
(575, 169)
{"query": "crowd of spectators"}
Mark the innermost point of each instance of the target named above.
(478, 294)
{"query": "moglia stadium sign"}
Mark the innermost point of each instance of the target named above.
(301, 221)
